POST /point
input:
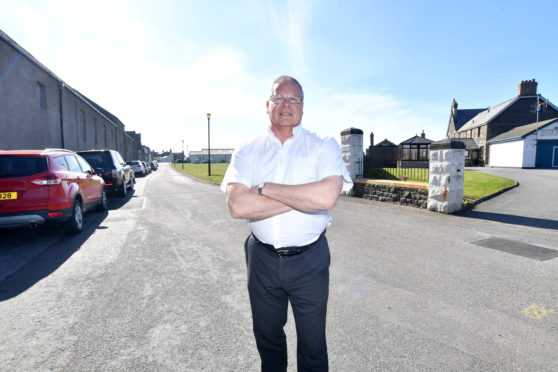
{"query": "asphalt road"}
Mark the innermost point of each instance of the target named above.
(158, 283)
(533, 203)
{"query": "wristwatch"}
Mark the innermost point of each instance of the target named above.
(260, 188)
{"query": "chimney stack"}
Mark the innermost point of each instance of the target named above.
(422, 135)
(371, 139)
(528, 88)
(454, 109)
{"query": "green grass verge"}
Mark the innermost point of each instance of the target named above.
(200, 170)
(477, 185)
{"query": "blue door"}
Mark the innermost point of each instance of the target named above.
(547, 154)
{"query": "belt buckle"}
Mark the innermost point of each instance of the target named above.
(287, 252)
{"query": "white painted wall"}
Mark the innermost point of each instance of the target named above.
(507, 154)
(529, 151)
(521, 153)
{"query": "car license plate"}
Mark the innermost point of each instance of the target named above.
(8, 195)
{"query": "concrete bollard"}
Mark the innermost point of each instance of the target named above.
(446, 176)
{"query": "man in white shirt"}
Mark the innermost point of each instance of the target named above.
(284, 182)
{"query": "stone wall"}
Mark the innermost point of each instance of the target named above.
(413, 194)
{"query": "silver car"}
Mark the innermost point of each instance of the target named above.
(137, 166)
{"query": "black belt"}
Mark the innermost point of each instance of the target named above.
(288, 251)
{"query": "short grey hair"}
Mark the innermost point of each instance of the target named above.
(283, 78)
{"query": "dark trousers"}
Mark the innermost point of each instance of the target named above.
(304, 281)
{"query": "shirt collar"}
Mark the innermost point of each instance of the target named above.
(297, 132)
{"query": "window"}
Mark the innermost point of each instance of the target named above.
(61, 162)
(406, 152)
(414, 152)
(73, 164)
(423, 153)
(83, 126)
(478, 132)
(117, 157)
(41, 89)
(85, 167)
(19, 166)
(95, 129)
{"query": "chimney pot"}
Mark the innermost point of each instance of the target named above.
(527, 88)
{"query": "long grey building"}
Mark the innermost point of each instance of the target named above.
(39, 110)
(217, 155)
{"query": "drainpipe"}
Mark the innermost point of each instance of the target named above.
(60, 87)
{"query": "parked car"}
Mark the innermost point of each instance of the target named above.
(154, 165)
(119, 177)
(147, 167)
(137, 167)
(48, 186)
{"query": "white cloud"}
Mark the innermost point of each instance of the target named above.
(382, 114)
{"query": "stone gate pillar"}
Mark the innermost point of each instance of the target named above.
(446, 176)
(351, 149)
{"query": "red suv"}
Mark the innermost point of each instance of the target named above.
(38, 186)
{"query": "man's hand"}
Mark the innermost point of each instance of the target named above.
(276, 199)
(308, 197)
(248, 204)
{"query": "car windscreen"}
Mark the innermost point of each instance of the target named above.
(97, 159)
(21, 166)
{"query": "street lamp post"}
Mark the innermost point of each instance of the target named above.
(182, 154)
(208, 147)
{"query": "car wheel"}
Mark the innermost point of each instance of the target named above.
(123, 188)
(103, 205)
(75, 224)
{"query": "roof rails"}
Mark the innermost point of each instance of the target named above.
(52, 150)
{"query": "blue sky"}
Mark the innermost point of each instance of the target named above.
(388, 67)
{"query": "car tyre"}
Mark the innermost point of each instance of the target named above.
(124, 188)
(103, 205)
(74, 224)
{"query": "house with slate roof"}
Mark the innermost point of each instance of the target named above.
(479, 128)
(414, 152)
(381, 155)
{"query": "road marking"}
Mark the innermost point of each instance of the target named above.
(536, 311)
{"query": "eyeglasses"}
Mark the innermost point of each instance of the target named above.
(278, 99)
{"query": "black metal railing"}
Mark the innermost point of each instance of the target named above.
(400, 171)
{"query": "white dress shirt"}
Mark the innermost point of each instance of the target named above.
(303, 158)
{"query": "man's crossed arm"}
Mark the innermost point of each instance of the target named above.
(276, 198)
